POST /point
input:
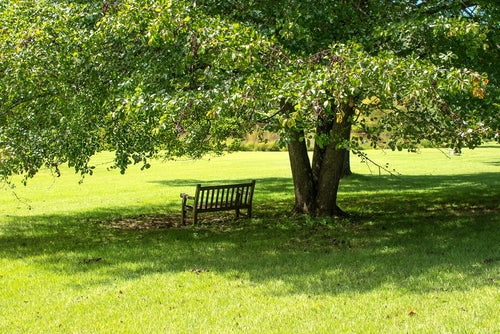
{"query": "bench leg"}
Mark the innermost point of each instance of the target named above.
(183, 214)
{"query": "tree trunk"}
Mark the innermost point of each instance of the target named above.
(303, 183)
(346, 169)
(328, 183)
(316, 185)
(302, 175)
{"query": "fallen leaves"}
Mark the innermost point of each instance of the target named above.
(143, 222)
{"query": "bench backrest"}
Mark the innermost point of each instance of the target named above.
(229, 196)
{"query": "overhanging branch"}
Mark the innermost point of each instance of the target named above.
(365, 158)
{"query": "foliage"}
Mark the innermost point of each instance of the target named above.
(180, 77)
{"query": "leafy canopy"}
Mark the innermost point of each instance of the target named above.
(147, 78)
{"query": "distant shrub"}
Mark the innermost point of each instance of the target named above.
(267, 147)
(259, 146)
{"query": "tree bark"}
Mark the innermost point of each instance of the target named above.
(302, 175)
(303, 183)
(328, 183)
(333, 164)
(316, 185)
(346, 169)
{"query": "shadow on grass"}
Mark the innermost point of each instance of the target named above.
(417, 233)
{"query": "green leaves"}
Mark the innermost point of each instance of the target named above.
(181, 77)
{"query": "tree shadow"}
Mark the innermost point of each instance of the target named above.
(401, 233)
(421, 194)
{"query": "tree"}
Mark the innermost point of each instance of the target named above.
(147, 78)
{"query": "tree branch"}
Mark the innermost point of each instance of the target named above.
(447, 6)
(364, 157)
(15, 104)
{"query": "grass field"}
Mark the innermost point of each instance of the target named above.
(420, 253)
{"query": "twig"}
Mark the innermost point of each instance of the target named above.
(11, 187)
(364, 156)
(266, 119)
(444, 153)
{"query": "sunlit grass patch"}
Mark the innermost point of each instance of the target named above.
(419, 253)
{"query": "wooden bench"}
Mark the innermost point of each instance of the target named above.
(218, 198)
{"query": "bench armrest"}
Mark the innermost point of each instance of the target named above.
(186, 196)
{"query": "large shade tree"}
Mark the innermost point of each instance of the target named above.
(147, 78)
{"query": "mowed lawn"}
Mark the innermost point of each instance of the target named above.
(419, 254)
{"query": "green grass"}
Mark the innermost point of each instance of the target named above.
(420, 254)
